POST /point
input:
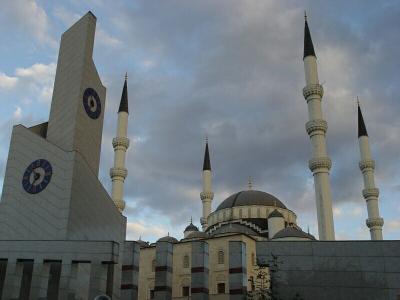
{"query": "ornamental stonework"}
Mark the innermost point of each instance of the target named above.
(313, 89)
(118, 172)
(320, 163)
(206, 195)
(371, 192)
(316, 125)
(377, 222)
(120, 142)
(367, 164)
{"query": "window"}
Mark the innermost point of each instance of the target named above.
(186, 261)
(221, 257)
(253, 259)
(185, 291)
(258, 213)
(240, 213)
(221, 288)
(153, 265)
(249, 213)
(151, 294)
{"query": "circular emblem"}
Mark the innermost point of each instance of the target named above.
(91, 102)
(37, 176)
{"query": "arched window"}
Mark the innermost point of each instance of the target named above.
(221, 257)
(249, 212)
(186, 261)
(240, 213)
(258, 213)
(153, 265)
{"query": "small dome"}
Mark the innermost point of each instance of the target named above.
(142, 243)
(191, 227)
(168, 238)
(250, 197)
(197, 234)
(293, 232)
(275, 214)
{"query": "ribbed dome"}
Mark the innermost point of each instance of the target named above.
(250, 197)
(168, 238)
(292, 232)
(191, 227)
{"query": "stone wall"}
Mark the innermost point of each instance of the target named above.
(340, 270)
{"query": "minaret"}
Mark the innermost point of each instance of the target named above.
(370, 192)
(316, 127)
(120, 143)
(206, 195)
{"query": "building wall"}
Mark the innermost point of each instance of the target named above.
(25, 216)
(83, 269)
(218, 273)
(340, 270)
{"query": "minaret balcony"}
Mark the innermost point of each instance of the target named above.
(375, 222)
(367, 164)
(118, 173)
(313, 89)
(120, 143)
(317, 126)
(371, 192)
(206, 195)
(320, 164)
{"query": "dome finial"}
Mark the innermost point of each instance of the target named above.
(191, 220)
(305, 15)
(126, 75)
(250, 184)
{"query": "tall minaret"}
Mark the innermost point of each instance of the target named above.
(316, 128)
(370, 192)
(206, 195)
(120, 143)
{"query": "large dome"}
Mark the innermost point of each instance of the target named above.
(250, 197)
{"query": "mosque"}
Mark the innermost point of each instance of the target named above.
(62, 236)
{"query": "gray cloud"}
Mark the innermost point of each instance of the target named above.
(233, 70)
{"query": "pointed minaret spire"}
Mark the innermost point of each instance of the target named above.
(362, 130)
(370, 191)
(206, 163)
(123, 105)
(206, 195)
(308, 44)
(320, 163)
(120, 143)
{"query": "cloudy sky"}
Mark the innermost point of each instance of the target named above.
(231, 70)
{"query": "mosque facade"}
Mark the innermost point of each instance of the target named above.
(62, 236)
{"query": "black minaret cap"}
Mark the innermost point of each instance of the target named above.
(362, 130)
(206, 164)
(123, 105)
(308, 44)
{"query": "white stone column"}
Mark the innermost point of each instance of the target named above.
(120, 143)
(370, 192)
(316, 127)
